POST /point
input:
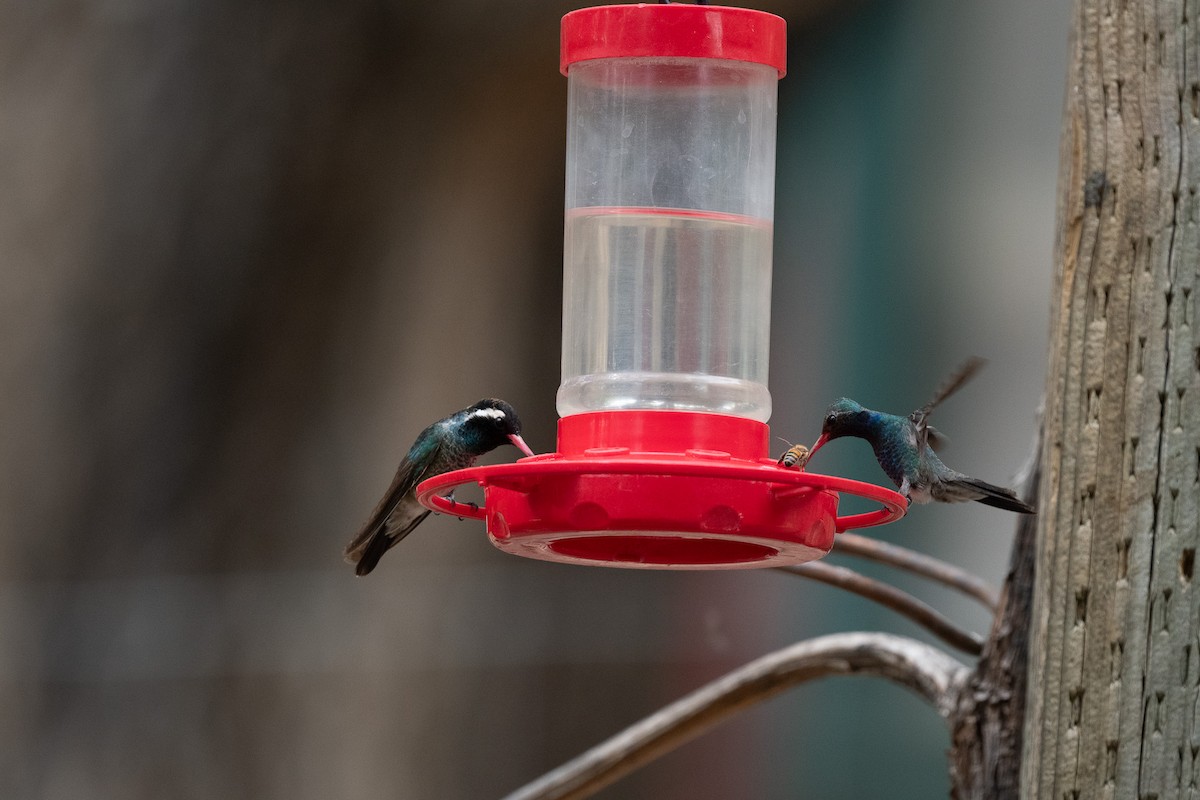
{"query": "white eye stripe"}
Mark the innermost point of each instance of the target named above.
(493, 413)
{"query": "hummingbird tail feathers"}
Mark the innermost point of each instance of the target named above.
(999, 497)
(367, 557)
(370, 545)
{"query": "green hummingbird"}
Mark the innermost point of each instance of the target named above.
(904, 447)
(448, 444)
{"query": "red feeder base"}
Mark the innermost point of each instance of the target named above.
(660, 490)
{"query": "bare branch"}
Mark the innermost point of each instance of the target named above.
(901, 602)
(935, 569)
(923, 669)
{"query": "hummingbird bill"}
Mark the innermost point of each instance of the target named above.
(455, 442)
(905, 449)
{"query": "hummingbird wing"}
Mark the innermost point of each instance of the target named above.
(936, 440)
(952, 384)
(369, 545)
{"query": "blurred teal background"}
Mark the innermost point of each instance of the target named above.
(249, 250)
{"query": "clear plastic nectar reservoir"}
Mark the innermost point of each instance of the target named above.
(669, 212)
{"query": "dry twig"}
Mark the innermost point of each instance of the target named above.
(935, 569)
(918, 667)
(901, 602)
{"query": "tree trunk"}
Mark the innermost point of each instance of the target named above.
(1115, 664)
(986, 726)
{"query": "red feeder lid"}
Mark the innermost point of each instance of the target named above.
(674, 29)
(660, 489)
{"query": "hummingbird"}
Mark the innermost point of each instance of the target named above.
(904, 447)
(448, 444)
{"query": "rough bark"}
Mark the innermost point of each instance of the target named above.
(986, 726)
(1115, 665)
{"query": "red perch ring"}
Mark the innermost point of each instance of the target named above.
(660, 490)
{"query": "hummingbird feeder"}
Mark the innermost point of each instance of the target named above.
(662, 457)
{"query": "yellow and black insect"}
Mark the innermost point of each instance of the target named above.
(795, 458)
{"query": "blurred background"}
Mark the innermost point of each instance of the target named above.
(248, 251)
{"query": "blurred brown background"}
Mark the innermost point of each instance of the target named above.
(249, 250)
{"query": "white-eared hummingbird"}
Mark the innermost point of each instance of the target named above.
(904, 447)
(448, 444)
